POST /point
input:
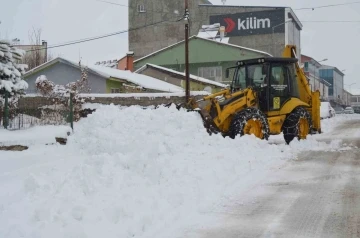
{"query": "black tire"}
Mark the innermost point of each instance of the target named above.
(290, 127)
(240, 119)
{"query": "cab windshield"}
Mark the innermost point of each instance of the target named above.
(251, 75)
(282, 76)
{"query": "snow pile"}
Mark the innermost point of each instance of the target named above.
(34, 135)
(132, 172)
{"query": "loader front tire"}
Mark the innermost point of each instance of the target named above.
(250, 121)
(298, 124)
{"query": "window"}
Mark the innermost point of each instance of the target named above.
(306, 66)
(279, 80)
(257, 74)
(240, 79)
(354, 99)
(211, 73)
(141, 8)
(293, 80)
(115, 90)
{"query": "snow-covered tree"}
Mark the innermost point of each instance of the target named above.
(11, 72)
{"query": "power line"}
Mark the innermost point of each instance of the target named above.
(127, 6)
(113, 3)
(125, 31)
(326, 6)
(297, 9)
(345, 21)
(97, 37)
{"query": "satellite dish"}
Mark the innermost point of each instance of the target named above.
(208, 89)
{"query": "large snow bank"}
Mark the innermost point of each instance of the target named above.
(132, 172)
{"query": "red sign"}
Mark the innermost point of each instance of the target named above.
(230, 25)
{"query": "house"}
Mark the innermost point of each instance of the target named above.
(179, 79)
(101, 79)
(207, 58)
(335, 77)
(347, 98)
(355, 102)
(312, 71)
(124, 63)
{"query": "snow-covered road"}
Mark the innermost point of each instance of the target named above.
(132, 172)
(316, 195)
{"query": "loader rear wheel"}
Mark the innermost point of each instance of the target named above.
(298, 124)
(250, 121)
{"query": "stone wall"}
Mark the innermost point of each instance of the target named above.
(34, 102)
(139, 101)
(146, 100)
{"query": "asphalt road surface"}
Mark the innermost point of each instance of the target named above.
(317, 195)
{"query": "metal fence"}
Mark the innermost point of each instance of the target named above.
(32, 113)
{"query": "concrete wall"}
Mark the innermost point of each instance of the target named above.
(146, 40)
(37, 102)
(62, 74)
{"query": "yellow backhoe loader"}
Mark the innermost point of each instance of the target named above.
(267, 96)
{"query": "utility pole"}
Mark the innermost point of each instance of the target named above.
(186, 18)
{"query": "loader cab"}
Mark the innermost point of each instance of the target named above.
(274, 79)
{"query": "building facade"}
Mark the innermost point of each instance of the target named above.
(355, 103)
(312, 71)
(153, 25)
(209, 59)
(347, 98)
(336, 79)
(179, 79)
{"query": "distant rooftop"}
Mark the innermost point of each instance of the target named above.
(205, 2)
(108, 63)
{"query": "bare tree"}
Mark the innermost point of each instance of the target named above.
(36, 54)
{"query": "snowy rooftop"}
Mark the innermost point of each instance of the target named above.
(194, 77)
(108, 63)
(141, 80)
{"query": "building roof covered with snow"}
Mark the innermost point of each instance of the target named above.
(101, 79)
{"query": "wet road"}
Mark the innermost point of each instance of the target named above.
(317, 195)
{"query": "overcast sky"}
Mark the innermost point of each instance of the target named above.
(67, 20)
